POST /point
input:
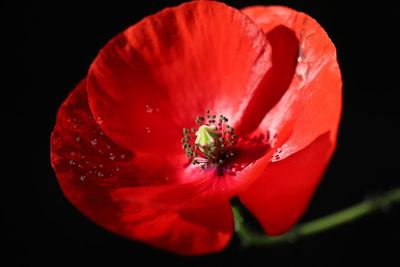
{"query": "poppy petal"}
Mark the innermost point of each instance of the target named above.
(284, 48)
(187, 232)
(314, 96)
(279, 197)
(79, 146)
(90, 168)
(155, 78)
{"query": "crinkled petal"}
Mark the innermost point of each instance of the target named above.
(154, 79)
(284, 48)
(313, 98)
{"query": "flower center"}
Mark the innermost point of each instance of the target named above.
(211, 143)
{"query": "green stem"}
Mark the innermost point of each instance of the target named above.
(250, 238)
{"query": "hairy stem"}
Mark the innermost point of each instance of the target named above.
(250, 238)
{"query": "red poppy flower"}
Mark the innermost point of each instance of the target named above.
(270, 75)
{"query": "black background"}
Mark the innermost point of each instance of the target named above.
(52, 47)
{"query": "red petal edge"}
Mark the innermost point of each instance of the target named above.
(90, 168)
(314, 97)
(284, 47)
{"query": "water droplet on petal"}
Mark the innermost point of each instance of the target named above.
(71, 163)
(100, 174)
(78, 138)
(149, 109)
(82, 178)
(111, 156)
(99, 120)
(123, 156)
(117, 168)
(93, 141)
(148, 130)
(100, 165)
(72, 153)
(302, 69)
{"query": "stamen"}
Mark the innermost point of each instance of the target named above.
(213, 141)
